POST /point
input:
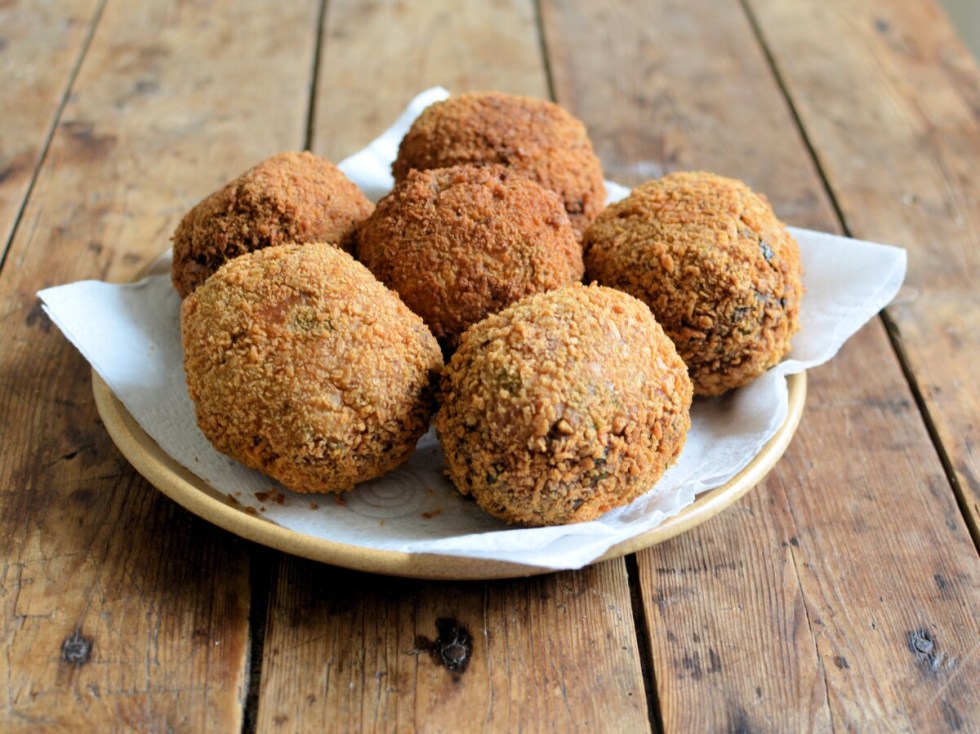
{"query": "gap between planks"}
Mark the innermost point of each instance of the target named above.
(264, 562)
(321, 20)
(959, 494)
(263, 570)
(632, 569)
(543, 48)
(643, 643)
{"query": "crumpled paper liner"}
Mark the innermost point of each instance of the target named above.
(131, 336)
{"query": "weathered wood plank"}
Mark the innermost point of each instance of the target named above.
(120, 611)
(351, 652)
(377, 56)
(728, 626)
(882, 571)
(556, 653)
(655, 87)
(894, 114)
(40, 47)
(897, 627)
(722, 602)
(760, 619)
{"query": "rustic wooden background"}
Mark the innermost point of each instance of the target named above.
(840, 594)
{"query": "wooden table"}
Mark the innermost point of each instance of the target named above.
(842, 593)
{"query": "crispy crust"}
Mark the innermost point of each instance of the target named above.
(563, 406)
(534, 136)
(303, 366)
(288, 198)
(460, 243)
(713, 263)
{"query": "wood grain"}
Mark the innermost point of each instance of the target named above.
(895, 627)
(40, 46)
(728, 625)
(674, 86)
(556, 653)
(669, 95)
(120, 611)
(351, 652)
(739, 617)
(898, 630)
(377, 56)
(893, 110)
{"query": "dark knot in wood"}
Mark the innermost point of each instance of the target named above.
(76, 649)
(452, 648)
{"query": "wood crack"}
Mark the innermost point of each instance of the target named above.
(809, 625)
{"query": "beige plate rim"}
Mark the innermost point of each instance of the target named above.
(196, 496)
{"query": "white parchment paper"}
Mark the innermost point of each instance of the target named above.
(131, 336)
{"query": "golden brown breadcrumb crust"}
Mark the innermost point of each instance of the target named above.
(563, 406)
(462, 242)
(537, 137)
(303, 366)
(288, 198)
(713, 263)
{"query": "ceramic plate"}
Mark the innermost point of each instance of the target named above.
(198, 497)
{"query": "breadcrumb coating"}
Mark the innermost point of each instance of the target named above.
(463, 242)
(714, 264)
(537, 137)
(288, 198)
(303, 366)
(563, 406)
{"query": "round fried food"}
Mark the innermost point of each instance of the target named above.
(539, 138)
(713, 263)
(460, 243)
(303, 366)
(563, 406)
(288, 198)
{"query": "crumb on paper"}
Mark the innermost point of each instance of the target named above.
(273, 495)
(251, 511)
(340, 500)
(432, 513)
(314, 506)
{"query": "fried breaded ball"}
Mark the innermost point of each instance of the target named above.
(537, 137)
(303, 366)
(714, 264)
(462, 242)
(288, 198)
(563, 406)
